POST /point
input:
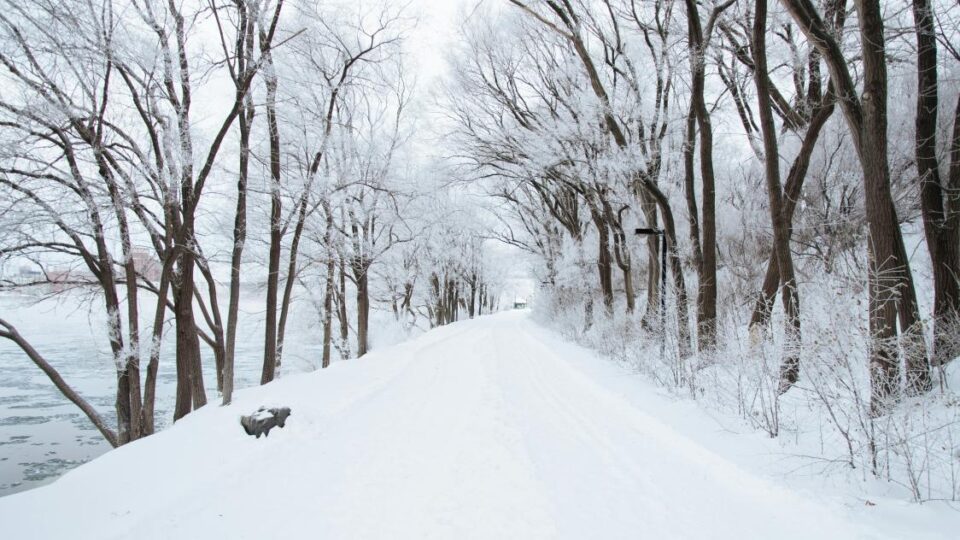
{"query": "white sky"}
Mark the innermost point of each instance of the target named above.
(435, 32)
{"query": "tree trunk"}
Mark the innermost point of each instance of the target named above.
(451, 301)
(951, 307)
(887, 262)
(407, 304)
(690, 189)
(128, 379)
(604, 260)
(605, 268)
(456, 299)
(245, 118)
(236, 255)
(363, 306)
(211, 314)
(132, 393)
(621, 255)
(190, 392)
(122, 406)
(153, 365)
(342, 307)
(328, 289)
(939, 218)
(676, 271)
(790, 365)
(481, 299)
(653, 261)
(104, 274)
(628, 287)
(270, 322)
(328, 313)
(890, 285)
(291, 275)
(473, 295)
(793, 190)
(707, 291)
(276, 231)
(437, 309)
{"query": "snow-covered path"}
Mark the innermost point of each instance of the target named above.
(492, 428)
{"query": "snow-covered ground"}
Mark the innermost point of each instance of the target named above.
(491, 428)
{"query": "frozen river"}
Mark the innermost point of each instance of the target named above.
(42, 435)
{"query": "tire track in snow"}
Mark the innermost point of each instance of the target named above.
(440, 470)
(535, 380)
(657, 457)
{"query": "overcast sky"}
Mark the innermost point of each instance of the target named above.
(438, 23)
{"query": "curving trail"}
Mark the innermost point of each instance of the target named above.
(492, 428)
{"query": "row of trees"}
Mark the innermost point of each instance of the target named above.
(139, 142)
(592, 117)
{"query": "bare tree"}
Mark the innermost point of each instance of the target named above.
(121, 119)
(790, 368)
(67, 112)
(238, 68)
(892, 293)
(938, 199)
(568, 27)
(698, 40)
(326, 65)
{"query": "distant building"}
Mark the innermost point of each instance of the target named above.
(146, 265)
(29, 274)
(59, 279)
(25, 275)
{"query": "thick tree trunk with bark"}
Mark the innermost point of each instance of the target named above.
(605, 272)
(890, 280)
(473, 296)
(628, 291)
(707, 291)
(604, 261)
(436, 308)
(653, 261)
(940, 219)
(690, 190)
(131, 391)
(891, 289)
(190, 392)
(360, 274)
(790, 365)
(153, 364)
(792, 191)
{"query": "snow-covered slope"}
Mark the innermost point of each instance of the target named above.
(492, 428)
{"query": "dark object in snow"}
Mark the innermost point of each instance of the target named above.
(262, 421)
